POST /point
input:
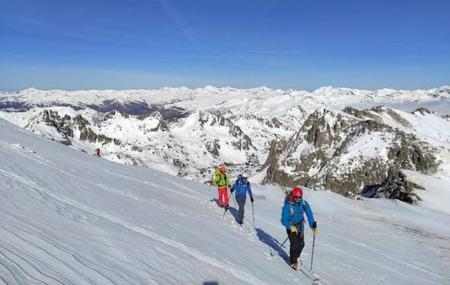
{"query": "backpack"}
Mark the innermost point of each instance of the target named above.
(223, 178)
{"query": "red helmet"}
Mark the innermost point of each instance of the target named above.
(296, 192)
(223, 168)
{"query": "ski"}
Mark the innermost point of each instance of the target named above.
(311, 275)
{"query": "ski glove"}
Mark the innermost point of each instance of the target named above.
(314, 228)
(231, 190)
(293, 229)
(251, 199)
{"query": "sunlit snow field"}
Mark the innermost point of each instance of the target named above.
(71, 218)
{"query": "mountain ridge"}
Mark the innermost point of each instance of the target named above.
(189, 131)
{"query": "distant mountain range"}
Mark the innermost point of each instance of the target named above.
(349, 141)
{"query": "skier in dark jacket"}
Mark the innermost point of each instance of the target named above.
(241, 187)
(293, 219)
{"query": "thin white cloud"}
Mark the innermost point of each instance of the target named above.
(173, 13)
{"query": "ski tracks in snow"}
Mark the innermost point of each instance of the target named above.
(227, 267)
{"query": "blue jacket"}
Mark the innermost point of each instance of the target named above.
(292, 213)
(241, 188)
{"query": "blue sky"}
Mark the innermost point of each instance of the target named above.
(301, 44)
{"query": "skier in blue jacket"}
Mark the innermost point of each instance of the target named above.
(241, 187)
(293, 219)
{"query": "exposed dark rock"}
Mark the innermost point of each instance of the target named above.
(313, 155)
(66, 125)
(14, 106)
(422, 111)
(398, 118)
(132, 108)
(276, 123)
(395, 186)
(171, 114)
(364, 114)
(242, 142)
(213, 147)
(161, 126)
(62, 125)
(112, 114)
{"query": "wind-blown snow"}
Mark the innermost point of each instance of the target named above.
(71, 218)
(436, 195)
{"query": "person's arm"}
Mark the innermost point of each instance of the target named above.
(215, 180)
(309, 214)
(250, 192)
(285, 216)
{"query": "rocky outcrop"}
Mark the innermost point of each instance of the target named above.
(395, 186)
(239, 139)
(213, 147)
(66, 126)
(61, 124)
(350, 152)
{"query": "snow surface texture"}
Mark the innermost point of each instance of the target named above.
(71, 218)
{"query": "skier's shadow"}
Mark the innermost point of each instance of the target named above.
(273, 243)
(233, 211)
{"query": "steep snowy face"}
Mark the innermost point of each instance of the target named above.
(311, 138)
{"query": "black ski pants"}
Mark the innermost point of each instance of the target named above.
(297, 241)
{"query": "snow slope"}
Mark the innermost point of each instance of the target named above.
(72, 218)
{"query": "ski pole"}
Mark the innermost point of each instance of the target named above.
(312, 254)
(282, 245)
(226, 209)
(253, 215)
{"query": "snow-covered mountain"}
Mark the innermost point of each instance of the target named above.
(335, 138)
(71, 218)
(346, 151)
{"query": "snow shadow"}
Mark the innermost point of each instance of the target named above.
(210, 283)
(233, 211)
(273, 243)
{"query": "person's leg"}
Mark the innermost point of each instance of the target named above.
(220, 194)
(295, 247)
(241, 204)
(225, 195)
(301, 244)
